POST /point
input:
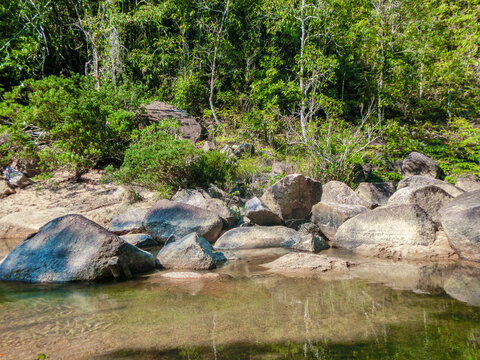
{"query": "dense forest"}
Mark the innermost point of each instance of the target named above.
(325, 84)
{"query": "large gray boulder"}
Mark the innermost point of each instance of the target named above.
(430, 198)
(202, 199)
(258, 237)
(395, 225)
(419, 180)
(375, 194)
(292, 197)
(73, 248)
(130, 222)
(461, 221)
(169, 218)
(336, 192)
(191, 252)
(418, 164)
(260, 214)
(330, 216)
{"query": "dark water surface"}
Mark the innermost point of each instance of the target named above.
(383, 310)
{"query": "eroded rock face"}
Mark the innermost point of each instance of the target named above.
(419, 180)
(130, 222)
(308, 262)
(430, 198)
(73, 248)
(258, 237)
(292, 197)
(418, 164)
(260, 214)
(191, 252)
(330, 216)
(336, 192)
(189, 127)
(375, 194)
(460, 219)
(169, 218)
(396, 225)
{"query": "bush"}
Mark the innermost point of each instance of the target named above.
(66, 123)
(159, 160)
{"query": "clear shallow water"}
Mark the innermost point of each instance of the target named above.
(383, 310)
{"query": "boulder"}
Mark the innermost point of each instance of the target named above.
(395, 225)
(73, 248)
(142, 241)
(460, 219)
(336, 192)
(468, 183)
(192, 252)
(218, 207)
(5, 190)
(419, 180)
(130, 222)
(169, 218)
(310, 243)
(329, 216)
(282, 167)
(308, 262)
(16, 178)
(258, 237)
(292, 197)
(157, 111)
(419, 164)
(310, 228)
(430, 198)
(375, 194)
(202, 199)
(191, 197)
(260, 214)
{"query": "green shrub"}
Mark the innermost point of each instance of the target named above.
(66, 123)
(159, 160)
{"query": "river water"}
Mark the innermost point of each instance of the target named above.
(380, 310)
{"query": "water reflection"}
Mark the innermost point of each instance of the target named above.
(383, 310)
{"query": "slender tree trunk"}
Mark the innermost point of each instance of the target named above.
(303, 106)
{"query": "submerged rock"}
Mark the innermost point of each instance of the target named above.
(73, 248)
(330, 216)
(292, 198)
(308, 262)
(169, 218)
(191, 252)
(461, 221)
(258, 237)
